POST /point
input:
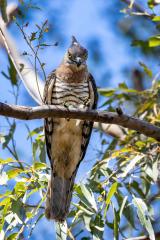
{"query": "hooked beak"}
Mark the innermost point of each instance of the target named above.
(78, 61)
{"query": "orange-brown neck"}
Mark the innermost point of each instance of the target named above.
(71, 73)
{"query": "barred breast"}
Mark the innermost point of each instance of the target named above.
(70, 94)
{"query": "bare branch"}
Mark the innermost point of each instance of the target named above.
(30, 113)
(11, 10)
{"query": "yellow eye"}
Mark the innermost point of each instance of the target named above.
(85, 55)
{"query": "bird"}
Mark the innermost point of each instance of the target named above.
(71, 86)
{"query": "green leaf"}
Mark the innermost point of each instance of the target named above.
(3, 6)
(153, 171)
(20, 188)
(39, 166)
(13, 236)
(45, 45)
(6, 161)
(156, 171)
(156, 19)
(122, 206)
(83, 208)
(17, 207)
(29, 215)
(123, 85)
(12, 173)
(34, 150)
(10, 135)
(116, 224)
(131, 165)
(97, 227)
(136, 186)
(154, 41)
(127, 211)
(87, 220)
(33, 36)
(12, 72)
(5, 201)
(5, 212)
(88, 195)
(140, 144)
(110, 194)
(35, 131)
(146, 69)
(143, 215)
(140, 43)
(107, 92)
(153, 3)
(42, 155)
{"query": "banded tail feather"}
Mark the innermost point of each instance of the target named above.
(59, 197)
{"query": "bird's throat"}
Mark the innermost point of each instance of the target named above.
(72, 74)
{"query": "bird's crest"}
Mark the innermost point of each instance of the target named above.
(76, 48)
(74, 41)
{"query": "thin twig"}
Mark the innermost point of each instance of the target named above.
(35, 52)
(32, 206)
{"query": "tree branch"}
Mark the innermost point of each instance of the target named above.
(111, 129)
(30, 113)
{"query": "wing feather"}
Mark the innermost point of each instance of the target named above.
(88, 125)
(48, 122)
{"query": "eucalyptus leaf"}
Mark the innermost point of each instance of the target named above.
(143, 215)
(86, 195)
(131, 165)
(110, 194)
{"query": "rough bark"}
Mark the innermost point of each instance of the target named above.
(44, 111)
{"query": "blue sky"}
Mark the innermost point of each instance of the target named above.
(86, 20)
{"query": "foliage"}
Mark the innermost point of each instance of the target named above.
(3, 5)
(122, 188)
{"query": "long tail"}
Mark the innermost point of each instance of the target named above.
(59, 196)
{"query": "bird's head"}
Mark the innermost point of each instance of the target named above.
(76, 55)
